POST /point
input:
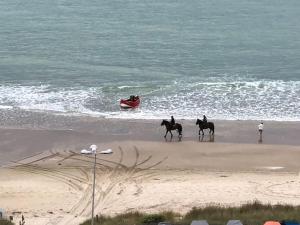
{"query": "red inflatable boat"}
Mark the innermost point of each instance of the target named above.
(132, 102)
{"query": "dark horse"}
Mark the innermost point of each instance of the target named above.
(169, 127)
(208, 125)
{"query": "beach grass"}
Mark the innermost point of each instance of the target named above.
(254, 213)
(5, 222)
(134, 218)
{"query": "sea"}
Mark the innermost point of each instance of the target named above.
(227, 59)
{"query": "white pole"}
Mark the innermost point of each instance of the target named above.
(94, 148)
(94, 190)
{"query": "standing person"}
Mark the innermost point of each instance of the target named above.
(204, 119)
(172, 121)
(260, 130)
(23, 220)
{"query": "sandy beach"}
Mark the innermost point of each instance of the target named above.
(44, 177)
(71, 74)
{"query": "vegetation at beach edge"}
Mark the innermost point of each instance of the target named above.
(5, 222)
(254, 213)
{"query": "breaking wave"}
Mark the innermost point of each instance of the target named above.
(230, 100)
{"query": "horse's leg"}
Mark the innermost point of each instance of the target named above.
(171, 134)
(199, 131)
(166, 133)
(179, 135)
(202, 132)
(201, 138)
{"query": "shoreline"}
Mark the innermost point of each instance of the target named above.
(139, 114)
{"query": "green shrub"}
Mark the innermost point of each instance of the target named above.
(5, 222)
(152, 218)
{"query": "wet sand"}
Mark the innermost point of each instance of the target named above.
(18, 141)
(44, 177)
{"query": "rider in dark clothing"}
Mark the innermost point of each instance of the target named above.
(204, 119)
(172, 121)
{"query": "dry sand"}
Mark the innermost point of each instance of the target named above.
(44, 177)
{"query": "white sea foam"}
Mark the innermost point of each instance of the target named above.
(231, 100)
(6, 107)
(42, 98)
(128, 86)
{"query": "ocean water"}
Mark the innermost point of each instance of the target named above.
(229, 59)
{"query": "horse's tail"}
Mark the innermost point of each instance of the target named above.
(179, 129)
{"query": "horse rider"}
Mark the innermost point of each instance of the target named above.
(172, 121)
(204, 119)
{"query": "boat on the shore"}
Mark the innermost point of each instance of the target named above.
(132, 102)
